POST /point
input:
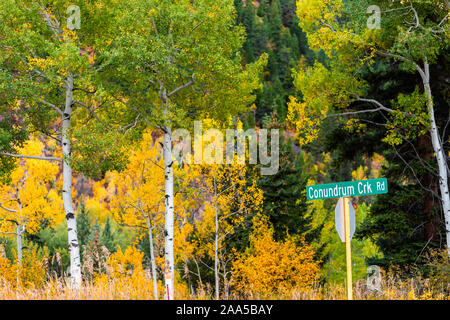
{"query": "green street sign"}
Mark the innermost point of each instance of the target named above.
(347, 189)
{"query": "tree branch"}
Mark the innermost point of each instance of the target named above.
(20, 156)
(7, 209)
(399, 57)
(181, 87)
(380, 106)
(8, 233)
(353, 112)
(89, 109)
(51, 105)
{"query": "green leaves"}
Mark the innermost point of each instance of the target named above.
(97, 149)
(412, 33)
(183, 55)
(410, 118)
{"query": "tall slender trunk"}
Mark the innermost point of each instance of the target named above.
(74, 250)
(440, 155)
(328, 272)
(19, 253)
(19, 230)
(168, 214)
(152, 258)
(216, 242)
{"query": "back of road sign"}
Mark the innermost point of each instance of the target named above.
(339, 218)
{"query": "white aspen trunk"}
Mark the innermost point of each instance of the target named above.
(440, 155)
(152, 258)
(74, 250)
(19, 230)
(168, 215)
(216, 242)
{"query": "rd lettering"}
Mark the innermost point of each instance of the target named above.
(380, 186)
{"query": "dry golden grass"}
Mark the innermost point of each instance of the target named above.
(119, 284)
(392, 289)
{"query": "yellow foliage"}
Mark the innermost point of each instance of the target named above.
(135, 196)
(269, 268)
(33, 269)
(32, 272)
(221, 190)
(30, 196)
(125, 271)
(307, 125)
(7, 272)
(360, 173)
(126, 263)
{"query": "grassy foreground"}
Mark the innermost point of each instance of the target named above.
(392, 288)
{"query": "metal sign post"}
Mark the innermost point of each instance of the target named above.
(348, 249)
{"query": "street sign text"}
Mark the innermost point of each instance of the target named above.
(347, 189)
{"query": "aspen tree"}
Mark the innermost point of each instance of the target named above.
(29, 199)
(47, 77)
(174, 62)
(411, 34)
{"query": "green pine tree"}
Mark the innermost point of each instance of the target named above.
(276, 22)
(249, 22)
(107, 236)
(83, 226)
(285, 196)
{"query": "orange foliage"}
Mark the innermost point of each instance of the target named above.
(269, 268)
(30, 274)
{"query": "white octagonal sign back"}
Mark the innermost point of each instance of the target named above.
(339, 218)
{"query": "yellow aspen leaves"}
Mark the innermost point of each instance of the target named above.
(269, 268)
(138, 195)
(307, 126)
(31, 196)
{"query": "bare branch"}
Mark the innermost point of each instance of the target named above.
(404, 59)
(415, 176)
(154, 26)
(146, 120)
(89, 109)
(380, 106)
(7, 233)
(54, 25)
(84, 90)
(445, 129)
(51, 105)
(327, 25)
(445, 18)
(181, 87)
(130, 226)
(127, 128)
(416, 18)
(353, 112)
(20, 156)
(193, 29)
(7, 209)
